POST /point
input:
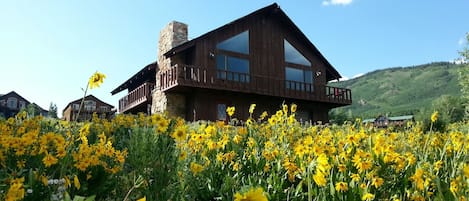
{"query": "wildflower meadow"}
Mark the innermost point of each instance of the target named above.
(268, 157)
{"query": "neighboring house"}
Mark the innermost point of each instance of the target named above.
(261, 58)
(383, 121)
(11, 103)
(139, 88)
(91, 105)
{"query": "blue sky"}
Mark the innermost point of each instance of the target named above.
(48, 49)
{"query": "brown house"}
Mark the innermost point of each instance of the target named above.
(261, 58)
(384, 121)
(91, 105)
(11, 103)
(139, 88)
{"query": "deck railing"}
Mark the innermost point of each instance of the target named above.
(191, 76)
(136, 97)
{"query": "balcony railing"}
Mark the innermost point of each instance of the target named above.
(190, 76)
(140, 95)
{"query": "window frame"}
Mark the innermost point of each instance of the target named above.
(303, 85)
(224, 72)
(12, 102)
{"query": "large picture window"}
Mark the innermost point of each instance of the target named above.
(292, 55)
(232, 60)
(238, 43)
(298, 71)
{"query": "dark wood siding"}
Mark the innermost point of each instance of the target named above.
(204, 103)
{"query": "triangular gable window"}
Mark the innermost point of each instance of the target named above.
(292, 55)
(238, 43)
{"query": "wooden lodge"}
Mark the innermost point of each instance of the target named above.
(91, 105)
(12, 103)
(261, 58)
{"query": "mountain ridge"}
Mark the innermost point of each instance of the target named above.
(401, 90)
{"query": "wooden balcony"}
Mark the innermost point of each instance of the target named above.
(136, 97)
(180, 76)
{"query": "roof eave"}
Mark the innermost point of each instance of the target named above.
(123, 86)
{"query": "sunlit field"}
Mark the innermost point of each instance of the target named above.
(268, 157)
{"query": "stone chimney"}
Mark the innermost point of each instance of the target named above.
(174, 34)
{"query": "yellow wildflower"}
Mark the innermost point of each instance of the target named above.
(434, 116)
(285, 108)
(466, 170)
(76, 182)
(341, 168)
(249, 122)
(96, 80)
(263, 115)
(196, 168)
(254, 194)
(16, 190)
(319, 178)
(179, 134)
(49, 160)
(251, 108)
(417, 178)
(293, 108)
(368, 196)
(341, 186)
(143, 199)
(453, 187)
(230, 111)
(355, 177)
(377, 181)
(20, 163)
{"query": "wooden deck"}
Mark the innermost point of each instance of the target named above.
(191, 76)
(141, 94)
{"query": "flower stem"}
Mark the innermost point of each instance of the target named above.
(82, 100)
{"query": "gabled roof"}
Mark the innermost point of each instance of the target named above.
(273, 9)
(400, 118)
(140, 76)
(14, 93)
(86, 98)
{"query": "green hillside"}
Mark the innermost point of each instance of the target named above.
(401, 90)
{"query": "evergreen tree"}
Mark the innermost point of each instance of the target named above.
(52, 110)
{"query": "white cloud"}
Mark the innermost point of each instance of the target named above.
(358, 75)
(336, 2)
(344, 78)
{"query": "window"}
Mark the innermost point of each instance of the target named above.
(232, 68)
(221, 112)
(22, 104)
(298, 79)
(90, 105)
(232, 58)
(103, 108)
(292, 55)
(12, 102)
(238, 43)
(298, 71)
(75, 106)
